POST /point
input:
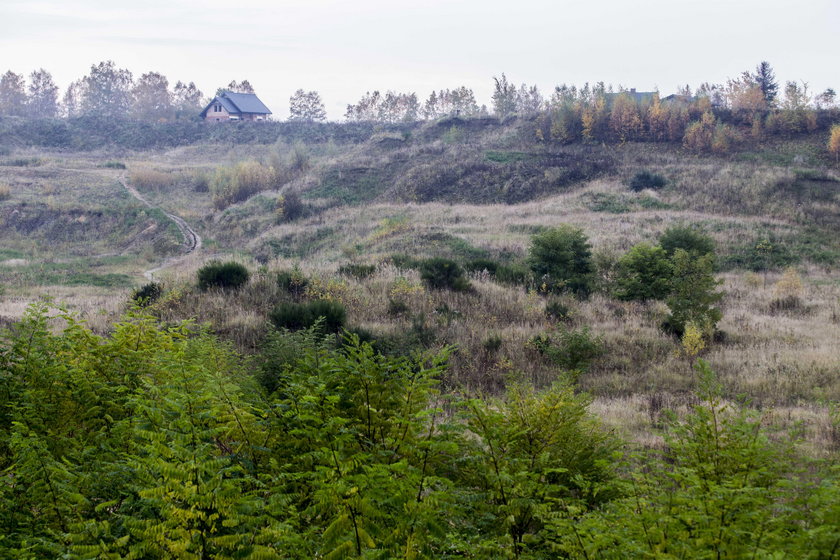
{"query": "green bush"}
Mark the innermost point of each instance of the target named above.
(480, 265)
(331, 315)
(570, 350)
(561, 260)
(216, 274)
(443, 274)
(646, 180)
(693, 296)
(643, 273)
(405, 262)
(148, 294)
(688, 238)
(113, 165)
(290, 207)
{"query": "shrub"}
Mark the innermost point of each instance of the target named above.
(646, 180)
(290, 207)
(480, 265)
(561, 260)
(201, 182)
(693, 294)
(360, 271)
(5, 191)
(238, 183)
(397, 307)
(687, 238)
(571, 350)
(328, 314)
(557, 310)
(113, 165)
(405, 262)
(643, 273)
(148, 294)
(222, 275)
(443, 274)
(492, 343)
(292, 281)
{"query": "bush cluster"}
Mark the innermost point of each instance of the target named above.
(228, 275)
(329, 315)
(646, 180)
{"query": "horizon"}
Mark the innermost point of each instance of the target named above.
(345, 51)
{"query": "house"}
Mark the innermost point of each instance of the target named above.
(230, 106)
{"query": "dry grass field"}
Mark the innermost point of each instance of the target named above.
(70, 232)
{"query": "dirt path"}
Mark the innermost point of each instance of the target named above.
(192, 241)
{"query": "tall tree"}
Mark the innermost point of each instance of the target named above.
(151, 99)
(43, 95)
(240, 87)
(72, 102)
(505, 97)
(107, 90)
(12, 94)
(306, 106)
(766, 81)
(187, 99)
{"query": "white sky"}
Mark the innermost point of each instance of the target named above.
(345, 48)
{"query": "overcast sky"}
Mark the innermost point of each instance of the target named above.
(343, 48)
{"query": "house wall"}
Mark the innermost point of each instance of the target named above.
(213, 116)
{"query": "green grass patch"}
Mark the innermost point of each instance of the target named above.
(23, 162)
(351, 186)
(6, 254)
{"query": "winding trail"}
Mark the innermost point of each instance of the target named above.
(192, 241)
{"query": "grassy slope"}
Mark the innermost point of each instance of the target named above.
(475, 189)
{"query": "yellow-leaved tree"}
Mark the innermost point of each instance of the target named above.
(834, 142)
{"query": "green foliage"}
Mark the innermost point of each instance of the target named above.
(687, 238)
(646, 180)
(531, 456)
(147, 294)
(560, 258)
(645, 272)
(514, 273)
(328, 315)
(227, 275)
(558, 310)
(693, 296)
(569, 349)
(444, 274)
(113, 165)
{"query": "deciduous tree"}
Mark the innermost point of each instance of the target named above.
(151, 99)
(107, 90)
(12, 94)
(834, 142)
(306, 106)
(43, 95)
(505, 97)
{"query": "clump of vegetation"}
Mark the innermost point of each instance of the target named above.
(147, 179)
(113, 165)
(23, 162)
(292, 281)
(5, 191)
(290, 207)
(569, 349)
(561, 260)
(643, 273)
(358, 271)
(201, 181)
(687, 238)
(227, 275)
(646, 180)
(239, 182)
(787, 292)
(444, 274)
(147, 294)
(558, 310)
(693, 294)
(328, 315)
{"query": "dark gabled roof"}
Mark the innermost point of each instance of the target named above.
(239, 103)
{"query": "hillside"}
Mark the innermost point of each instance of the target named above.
(474, 191)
